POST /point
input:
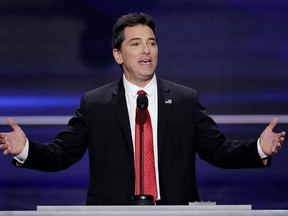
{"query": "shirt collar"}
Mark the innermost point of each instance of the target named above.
(132, 89)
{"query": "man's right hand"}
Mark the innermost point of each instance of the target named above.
(12, 142)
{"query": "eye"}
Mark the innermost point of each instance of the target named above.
(152, 43)
(135, 44)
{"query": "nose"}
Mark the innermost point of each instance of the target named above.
(146, 49)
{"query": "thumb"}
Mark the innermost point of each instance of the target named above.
(12, 123)
(273, 123)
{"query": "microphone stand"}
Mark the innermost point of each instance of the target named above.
(142, 199)
(142, 186)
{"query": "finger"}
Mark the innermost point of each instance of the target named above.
(282, 134)
(281, 137)
(273, 123)
(12, 123)
(6, 151)
(3, 146)
(278, 145)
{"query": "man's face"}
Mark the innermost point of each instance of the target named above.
(138, 54)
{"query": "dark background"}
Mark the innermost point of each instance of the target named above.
(233, 52)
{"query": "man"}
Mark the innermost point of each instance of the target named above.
(105, 124)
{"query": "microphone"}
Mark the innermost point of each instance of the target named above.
(142, 101)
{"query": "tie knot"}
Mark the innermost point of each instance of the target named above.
(141, 92)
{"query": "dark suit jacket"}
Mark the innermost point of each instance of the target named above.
(101, 123)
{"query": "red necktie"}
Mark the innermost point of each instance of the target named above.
(149, 185)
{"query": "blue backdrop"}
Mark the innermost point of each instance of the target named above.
(233, 52)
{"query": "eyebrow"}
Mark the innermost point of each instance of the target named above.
(133, 39)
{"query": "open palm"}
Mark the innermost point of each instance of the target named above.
(12, 142)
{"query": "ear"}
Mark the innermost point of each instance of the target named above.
(117, 56)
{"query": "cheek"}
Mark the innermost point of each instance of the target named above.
(155, 54)
(155, 57)
(129, 57)
(130, 62)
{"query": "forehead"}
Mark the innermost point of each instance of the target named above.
(138, 31)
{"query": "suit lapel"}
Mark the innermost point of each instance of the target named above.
(165, 102)
(118, 102)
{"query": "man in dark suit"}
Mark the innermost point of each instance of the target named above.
(105, 124)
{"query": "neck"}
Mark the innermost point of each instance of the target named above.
(140, 83)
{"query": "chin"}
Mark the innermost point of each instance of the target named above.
(148, 74)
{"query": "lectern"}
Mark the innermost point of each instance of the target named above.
(191, 210)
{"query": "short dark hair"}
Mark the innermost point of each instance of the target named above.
(129, 20)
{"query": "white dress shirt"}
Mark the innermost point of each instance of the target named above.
(131, 97)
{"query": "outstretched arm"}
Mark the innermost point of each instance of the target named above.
(12, 142)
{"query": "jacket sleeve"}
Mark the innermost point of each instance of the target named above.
(67, 148)
(213, 147)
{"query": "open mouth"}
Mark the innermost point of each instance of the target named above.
(145, 61)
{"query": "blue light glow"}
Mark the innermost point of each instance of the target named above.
(32, 101)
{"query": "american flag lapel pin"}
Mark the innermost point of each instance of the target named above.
(168, 101)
